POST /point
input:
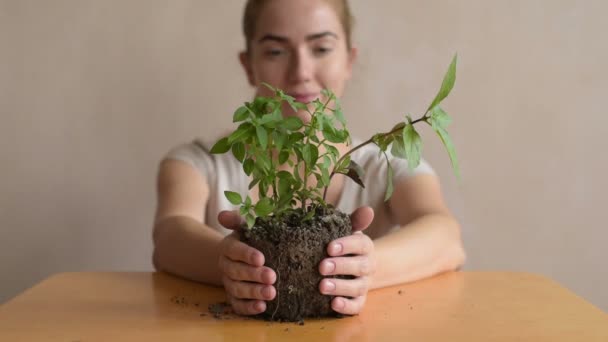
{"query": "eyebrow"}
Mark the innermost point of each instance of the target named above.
(282, 39)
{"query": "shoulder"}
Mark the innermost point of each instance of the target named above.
(197, 154)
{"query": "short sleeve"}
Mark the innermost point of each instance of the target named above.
(196, 155)
(401, 168)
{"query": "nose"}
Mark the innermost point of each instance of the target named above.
(301, 67)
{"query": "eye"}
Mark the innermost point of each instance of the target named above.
(321, 50)
(275, 52)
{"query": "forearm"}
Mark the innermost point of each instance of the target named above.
(427, 246)
(187, 248)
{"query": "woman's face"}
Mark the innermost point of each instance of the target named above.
(300, 47)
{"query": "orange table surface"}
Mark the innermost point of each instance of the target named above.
(456, 306)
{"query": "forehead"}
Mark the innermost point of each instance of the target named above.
(296, 19)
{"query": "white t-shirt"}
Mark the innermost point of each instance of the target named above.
(224, 172)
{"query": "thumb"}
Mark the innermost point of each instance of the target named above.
(230, 219)
(361, 218)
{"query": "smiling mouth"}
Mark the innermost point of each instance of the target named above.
(305, 98)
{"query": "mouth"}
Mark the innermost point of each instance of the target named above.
(305, 97)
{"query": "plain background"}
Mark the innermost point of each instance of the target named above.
(93, 93)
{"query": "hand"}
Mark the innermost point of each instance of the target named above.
(350, 293)
(247, 281)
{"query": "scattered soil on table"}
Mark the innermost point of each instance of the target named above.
(220, 310)
(294, 247)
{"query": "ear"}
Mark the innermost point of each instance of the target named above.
(352, 59)
(246, 64)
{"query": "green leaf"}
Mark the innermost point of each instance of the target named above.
(295, 137)
(263, 161)
(344, 164)
(310, 154)
(285, 185)
(222, 146)
(383, 140)
(413, 146)
(325, 174)
(319, 180)
(333, 151)
(253, 183)
(328, 94)
(244, 131)
(448, 83)
(263, 207)
(398, 149)
(269, 120)
(233, 197)
(279, 139)
(326, 162)
(284, 174)
(309, 215)
(238, 150)
(338, 112)
(355, 172)
(242, 113)
(447, 142)
(389, 179)
(332, 135)
(250, 220)
(248, 166)
(439, 118)
(263, 188)
(248, 201)
(283, 157)
(293, 123)
(262, 136)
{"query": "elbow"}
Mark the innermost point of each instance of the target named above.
(157, 251)
(155, 260)
(454, 255)
(458, 257)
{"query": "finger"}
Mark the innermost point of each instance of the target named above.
(348, 306)
(244, 272)
(230, 219)
(359, 244)
(356, 265)
(236, 250)
(362, 218)
(245, 290)
(344, 287)
(247, 307)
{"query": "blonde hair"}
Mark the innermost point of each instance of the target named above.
(253, 8)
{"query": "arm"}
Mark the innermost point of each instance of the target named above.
(429, 240)
(185, 246)
(427, 243)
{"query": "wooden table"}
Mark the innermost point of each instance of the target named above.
(460, 306)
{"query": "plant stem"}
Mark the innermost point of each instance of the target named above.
(370, 140)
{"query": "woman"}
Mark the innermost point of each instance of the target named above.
(301, 47)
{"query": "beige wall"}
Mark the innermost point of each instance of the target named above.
(92, 93)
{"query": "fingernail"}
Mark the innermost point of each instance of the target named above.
(329, 286)
(330, 266)
(267, 292)
(260, 306)
(255, 258)
(267, 277)
(336, 248)
(338, 303)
